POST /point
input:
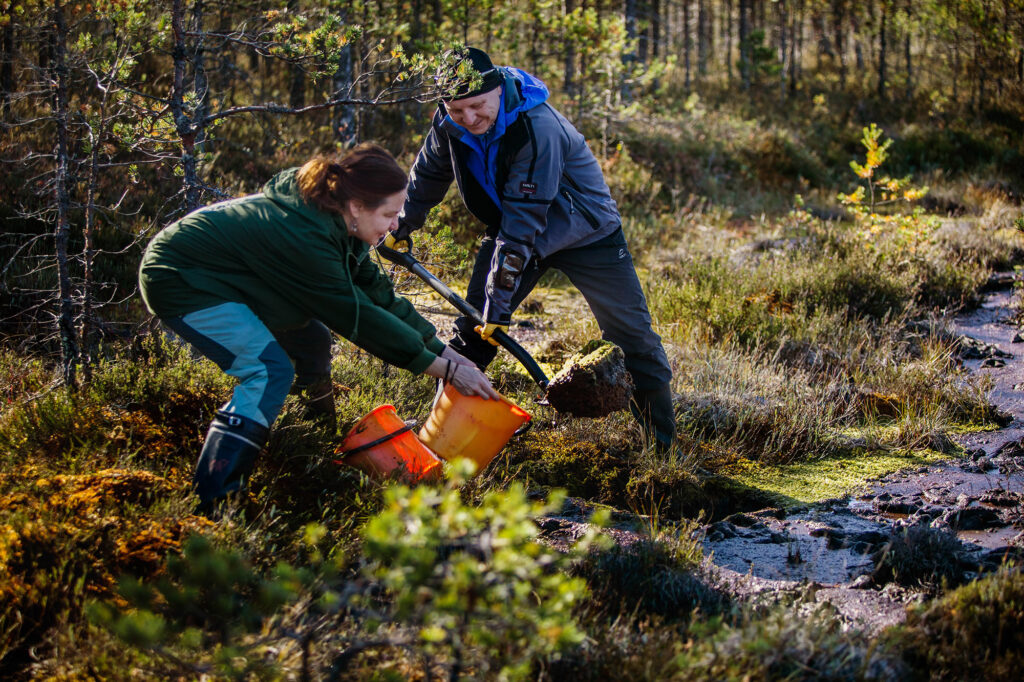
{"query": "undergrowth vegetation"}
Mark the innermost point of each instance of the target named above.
(813, 336)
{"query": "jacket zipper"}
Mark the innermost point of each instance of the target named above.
(587, 215)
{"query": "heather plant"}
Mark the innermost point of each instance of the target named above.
(920, 556)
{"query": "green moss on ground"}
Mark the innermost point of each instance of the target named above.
(814, 481)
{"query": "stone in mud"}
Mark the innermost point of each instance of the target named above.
(592, 383)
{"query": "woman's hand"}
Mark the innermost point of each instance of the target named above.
(450, 353)
(466, 378)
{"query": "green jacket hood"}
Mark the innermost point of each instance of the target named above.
(283, 189)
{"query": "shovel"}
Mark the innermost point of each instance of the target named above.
(406, 260)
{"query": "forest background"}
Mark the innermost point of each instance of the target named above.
(724, 128)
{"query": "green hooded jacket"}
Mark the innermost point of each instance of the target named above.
(289, 262)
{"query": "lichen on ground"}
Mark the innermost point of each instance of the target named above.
(593, 382)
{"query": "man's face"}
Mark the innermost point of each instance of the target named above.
(476, 114)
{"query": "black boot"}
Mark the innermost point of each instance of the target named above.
(228, 456)
(318, 400)
(653, 409)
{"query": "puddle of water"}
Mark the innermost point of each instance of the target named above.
(989, 539)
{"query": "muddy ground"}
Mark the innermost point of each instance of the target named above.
(829, 552)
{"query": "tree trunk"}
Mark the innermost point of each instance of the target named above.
(703, 32)
(184, 125)
(569, 50)
(909, 93)
(655, 16)
(641, 11)
(62, 231)
(687, 45)
(796, 46)
(630, 57)
(744, 36)
(6, 69)
(858, 46)
(839, 17)
(882, 51)
(296, 74)
(88, 251)
(200, 84)
(825, 51)
(727, 25)
(783, 20)
(343, 118)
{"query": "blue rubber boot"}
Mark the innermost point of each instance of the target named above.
(228, 456)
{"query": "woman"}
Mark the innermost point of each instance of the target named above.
(258, 283)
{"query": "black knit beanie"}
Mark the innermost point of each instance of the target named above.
(474, 66)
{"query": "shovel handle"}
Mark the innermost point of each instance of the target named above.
(407, 261)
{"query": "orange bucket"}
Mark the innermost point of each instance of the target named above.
(470, 426)
(383, 446)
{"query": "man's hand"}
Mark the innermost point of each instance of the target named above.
(487, 330)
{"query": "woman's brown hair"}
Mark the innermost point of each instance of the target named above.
(367, 173)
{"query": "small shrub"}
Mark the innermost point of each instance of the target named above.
(473, 582)
(919, 556)
(442, 584)
(656, 575)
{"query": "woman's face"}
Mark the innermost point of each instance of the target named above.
(372, 224)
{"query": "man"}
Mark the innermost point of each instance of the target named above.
(527, 174)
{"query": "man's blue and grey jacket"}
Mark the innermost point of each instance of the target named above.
(531, 179)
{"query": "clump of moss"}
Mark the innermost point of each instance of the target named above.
(974, 632)
(593, 382)
(670, 491)
(66, 538)
(583, 468)
(919, 556)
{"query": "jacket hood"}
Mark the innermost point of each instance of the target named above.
(532, 91)
(283, 189)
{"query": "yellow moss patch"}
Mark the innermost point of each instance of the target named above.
(808, 482)
(66, 538)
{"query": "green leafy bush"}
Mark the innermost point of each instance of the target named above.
(476, 585)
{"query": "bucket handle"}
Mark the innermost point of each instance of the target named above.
(522, 429)
(382, 439)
